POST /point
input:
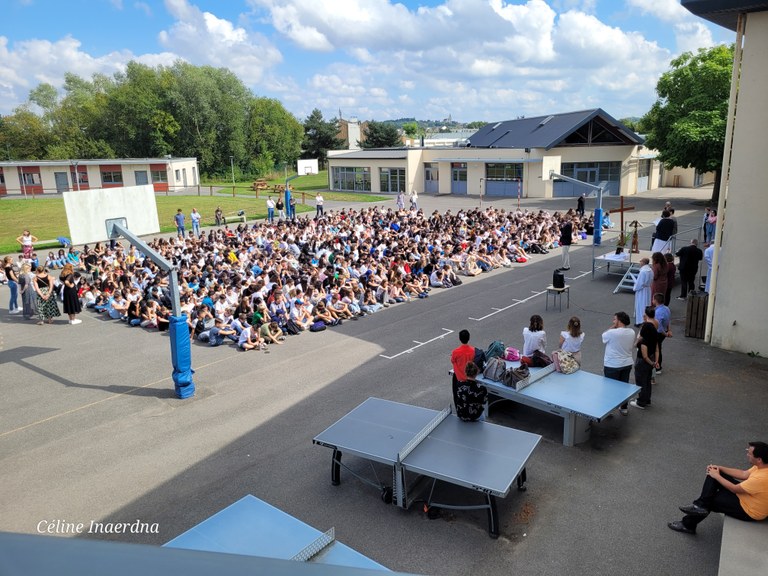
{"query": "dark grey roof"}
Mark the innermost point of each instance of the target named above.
(557, 129)
(723, 12)
(372, 153)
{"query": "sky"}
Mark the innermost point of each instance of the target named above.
(467, 60)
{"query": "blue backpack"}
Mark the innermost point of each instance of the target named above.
(495, 350)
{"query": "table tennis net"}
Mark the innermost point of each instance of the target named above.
(534, 377)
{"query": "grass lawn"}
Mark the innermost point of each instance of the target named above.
(46, 217)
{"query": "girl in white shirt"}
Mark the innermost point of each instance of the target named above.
(572, 337)
(534, 337)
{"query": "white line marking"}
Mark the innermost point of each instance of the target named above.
(446, 332)
(516, 302)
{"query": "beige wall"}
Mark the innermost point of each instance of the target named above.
(740, 320)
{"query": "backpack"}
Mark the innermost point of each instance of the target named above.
(495, 350)
(517, 378)
(564, 362)
(479, 359)
(511, 354)
(318, 326)
(540, 360)
(495, 369)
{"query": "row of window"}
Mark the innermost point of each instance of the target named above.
(107, 177)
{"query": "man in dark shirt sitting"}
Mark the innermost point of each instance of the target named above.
(469, 396)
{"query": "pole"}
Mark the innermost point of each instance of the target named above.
(77, 176)
(232, 165)
(518, 194)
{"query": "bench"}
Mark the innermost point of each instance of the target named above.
(743, 548)
(238, 216)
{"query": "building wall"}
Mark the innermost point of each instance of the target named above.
(740, 314)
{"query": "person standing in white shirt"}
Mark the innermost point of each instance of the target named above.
(619, 342)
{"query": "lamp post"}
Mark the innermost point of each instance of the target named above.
(232, 165)
(77, 176)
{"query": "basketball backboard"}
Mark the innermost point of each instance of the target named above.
(307, 167)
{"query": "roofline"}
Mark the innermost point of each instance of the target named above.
(94, 162)
(724, 13)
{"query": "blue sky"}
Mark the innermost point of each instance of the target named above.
(372, 59)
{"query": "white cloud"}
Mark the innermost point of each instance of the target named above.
(690, 36)
(665, 10)
(204, 39)
(144, 7)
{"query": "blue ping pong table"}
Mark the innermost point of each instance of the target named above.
(579, 398)
(251, 527)
(430, 445)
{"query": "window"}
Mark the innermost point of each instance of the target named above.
(354, 179)
(30, 178)
(112, 177)
(178, 175)
(159, 176)
(431, 171)
(82, 177)
(2, 178)
(610, 171)
(392, 179)
(495, 171)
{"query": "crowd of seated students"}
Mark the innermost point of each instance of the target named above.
(255, 285)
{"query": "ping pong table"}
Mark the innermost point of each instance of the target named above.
(251, 527)
(579, 398)
(432, 445)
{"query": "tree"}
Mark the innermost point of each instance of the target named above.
(687, 122)
(477, 124)
(412, 129)
(319, 137)
(272, 132)
(23, 135)
(381, 135)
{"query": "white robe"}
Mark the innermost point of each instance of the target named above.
(709, 253)
(642, 290)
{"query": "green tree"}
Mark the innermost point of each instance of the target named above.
(272, 132)
(319, 137)
(412, 129)
(477, 124)
(687, 122)
(381, 135)
(23, 135)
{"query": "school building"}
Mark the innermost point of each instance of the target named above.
(28, 177)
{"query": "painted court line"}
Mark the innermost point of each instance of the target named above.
(419, 344)
(515, 303)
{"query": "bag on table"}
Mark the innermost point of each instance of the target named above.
(565, 362)
(479, 359)
(495, 350)
(495, 369)
(515, 376)
(540, 360)
(511, 354)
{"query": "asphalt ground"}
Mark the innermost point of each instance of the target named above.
(90, 428)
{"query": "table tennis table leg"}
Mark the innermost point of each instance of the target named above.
(522, 478)
(569, 430)
(493, 517)
(336, 467)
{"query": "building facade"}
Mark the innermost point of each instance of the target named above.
(509, 159)
(55, 176)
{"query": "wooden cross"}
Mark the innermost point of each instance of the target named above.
(621, 211)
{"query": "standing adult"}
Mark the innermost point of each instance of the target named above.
(566, 239)
(663, 316)
(642, 289)
(319, 205)
(47, 308)
(665, 229)
(280, 205)
(13, 284)
(270, 210)
(709, 254)
(647, 349)
(414, 200)
(195, 218)
(689, 256)
(710, 225)
(27, 241)
(619, 342)
(460, 357)
(400, 201)
(659, 268)
(218, 216)
(292, 207)
(179, 220)
(580, 205)
(70, 297)
(27, 291)
(741, 494)
(671, 271)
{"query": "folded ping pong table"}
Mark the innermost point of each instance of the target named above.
(579, 398)
(251, 527)
(431, 445)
